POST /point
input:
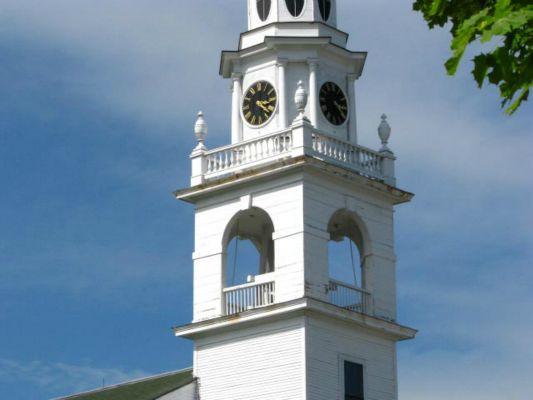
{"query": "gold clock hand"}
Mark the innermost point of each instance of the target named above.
(341, 108)
(261, 105)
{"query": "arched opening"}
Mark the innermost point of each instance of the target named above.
(345, 261)
(347, 255)
(248, 246)
(325, 8)
(295, 7)
(263, 9)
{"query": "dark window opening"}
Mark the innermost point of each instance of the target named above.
(263, 8)
(325, 8)
(295, 7)
(353, 381)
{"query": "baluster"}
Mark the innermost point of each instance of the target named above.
(346, 152)
(225, 160)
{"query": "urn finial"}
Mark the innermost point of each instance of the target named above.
(384, 132)
(300, 99)
(200, 130)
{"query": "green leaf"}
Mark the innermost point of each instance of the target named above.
(513, 107)
(480, 69)
(506, 25)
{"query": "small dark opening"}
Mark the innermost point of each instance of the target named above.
(263, 8)
(325, 8)
(353, 381)
(295, 7)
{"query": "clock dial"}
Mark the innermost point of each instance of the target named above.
(333, 103)
(259, 103)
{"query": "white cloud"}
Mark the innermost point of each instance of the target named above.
(459, 375)
(61, 377)
(156, 63)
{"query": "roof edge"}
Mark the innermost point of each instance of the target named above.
(127, 383)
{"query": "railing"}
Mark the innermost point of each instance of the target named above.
(348, 296)
(366, 161)
(247, 152)
(247, 297)
(293, 142)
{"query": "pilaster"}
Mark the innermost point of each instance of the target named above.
(313, 91)
(236, 120)
(352, 124)
(282, 93)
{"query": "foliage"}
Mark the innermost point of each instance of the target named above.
(507, 23)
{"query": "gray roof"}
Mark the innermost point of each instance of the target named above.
(150, 388)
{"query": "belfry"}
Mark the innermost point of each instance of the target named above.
(293, 180)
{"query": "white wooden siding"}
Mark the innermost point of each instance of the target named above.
(264, 363)
(329, 342)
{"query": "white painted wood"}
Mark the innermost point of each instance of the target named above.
(283, 122)
(329, 342)
(352, 129)
(313, 91)
(280, 13)
(279, 145)
(300, 207)
(262, 362)
(187, 392)
(236, 121)
(286, 333)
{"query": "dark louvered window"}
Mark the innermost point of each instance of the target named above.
(353, 381)
(263, 8)
(325, 8)
(295, 7)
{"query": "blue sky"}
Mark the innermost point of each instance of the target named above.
(97, 103)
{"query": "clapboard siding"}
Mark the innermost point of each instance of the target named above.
(329, 341)
(265, 362)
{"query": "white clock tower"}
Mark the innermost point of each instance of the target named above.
(294, 180)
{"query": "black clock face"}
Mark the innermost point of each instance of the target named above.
(259, 103)
(333, 103)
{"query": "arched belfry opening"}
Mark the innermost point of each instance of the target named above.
(347, 254)
(248, 246)
(346, 248)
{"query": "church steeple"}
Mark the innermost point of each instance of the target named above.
(293, 183)
(291, 41)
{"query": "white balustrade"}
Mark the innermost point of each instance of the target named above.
(348, 296)
(211, 164)
(365, 161)
(241, 298)
(237, 155)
